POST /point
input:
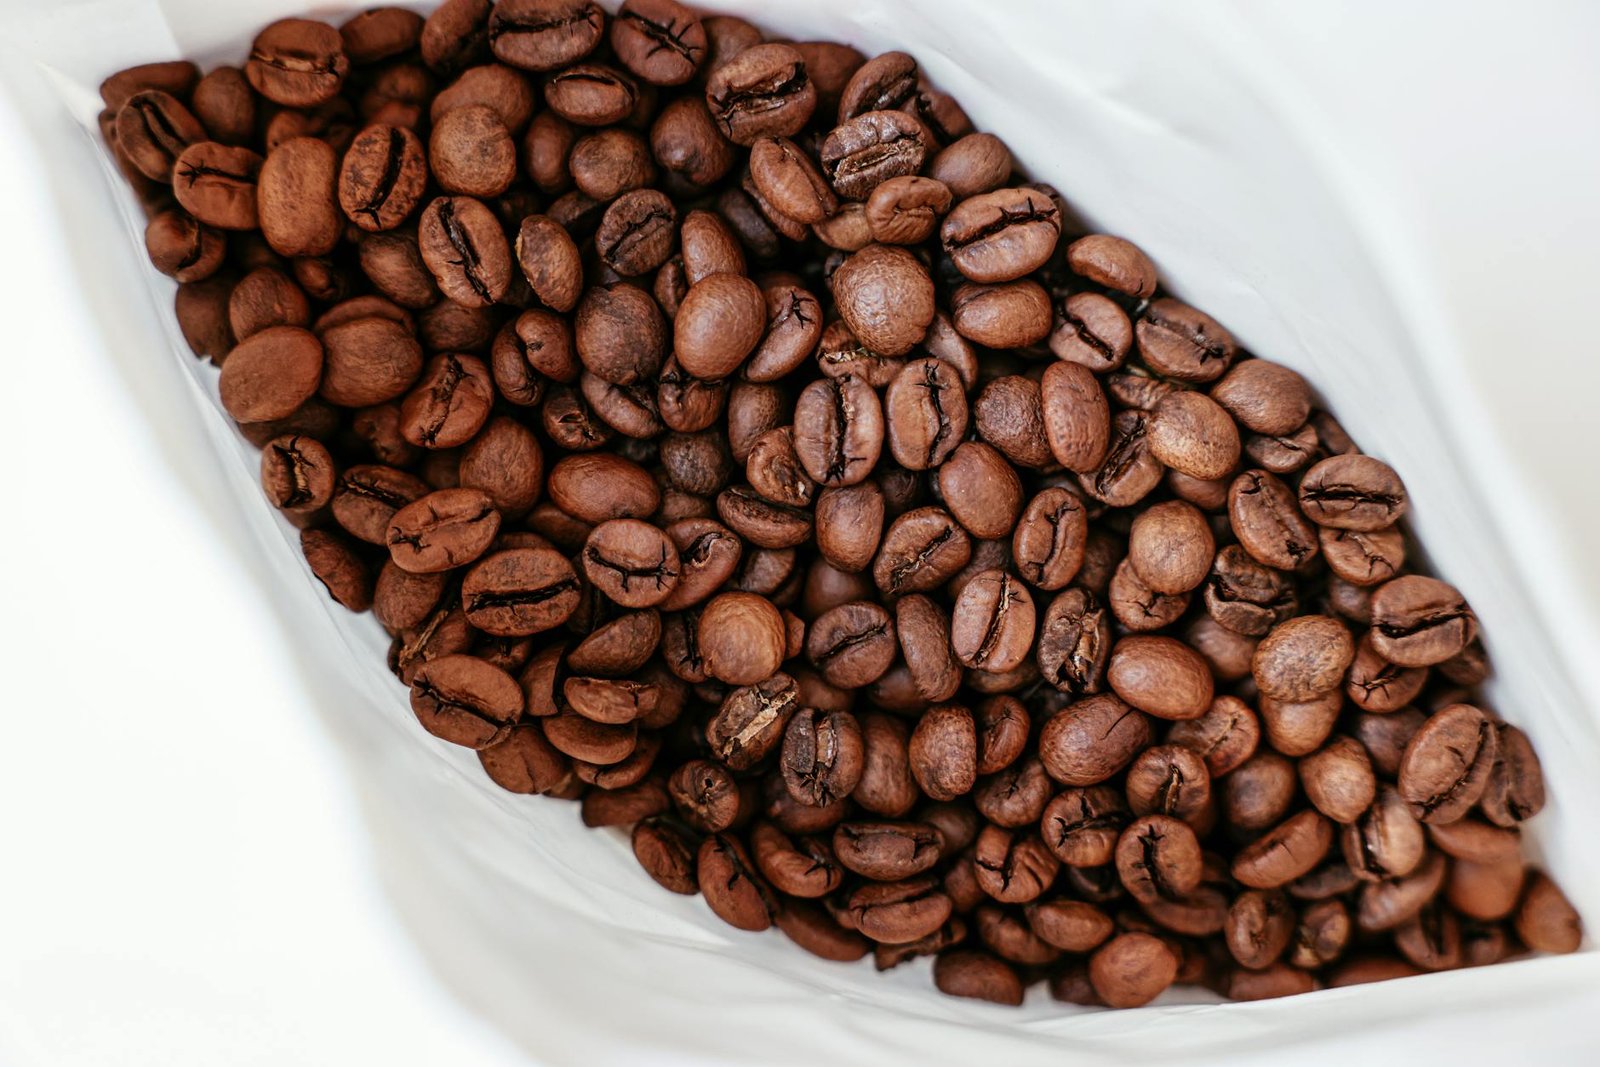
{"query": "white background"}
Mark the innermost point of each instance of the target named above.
(184, 876)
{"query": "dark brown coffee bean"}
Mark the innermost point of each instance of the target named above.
(905, 210)
(449, 404)
(463, 246)
(1339, 779)
(341, 571)
(1545, 920)
(718, 325)
(368, 361)
(750, 723)
(1075, 642)
(992, 623)
(666, 854)
(885, 297)
(1114, 263)
(1013, 868)
(1303, 658)
(1267, 521)
(1228, 653)
(1048, 543)
(887, 851)
(1008, 414)
(153, 128)
(1285, 852)
(267, 297)
(465, 701)
(732, 886)
(1353, 493)
(1091, 330)
(1158, 858)
(761, 92)
(1090, 741)
(544, 35)
(1009, 315)
(1515, 790)
(927, 414)
(216, 183)
(271, 374)
(1130, 470)
(1132, 969)
(1386, 904)
(1419, 621)
(1003, 235)
(367, 497)
(1169, 780)
(944, 752)
(866, 150)
(1160, 675)
(823, 757)
(1447, 763)
(920, 552)
(1260, 926)
(297, 63)
(852, 644)
(297, 474)
(296, 198)
(1180, 342)
(899, 912)
(520, 591)
(1191, 433)
(443, 530)
(1224, 737)
(661, 41)
(636, 232)
(981, 490)
(382, 177)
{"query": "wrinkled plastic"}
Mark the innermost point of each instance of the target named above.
(1158, 126)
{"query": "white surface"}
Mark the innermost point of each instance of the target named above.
(190, 880)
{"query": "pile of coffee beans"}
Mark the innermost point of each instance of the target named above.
(733, 441)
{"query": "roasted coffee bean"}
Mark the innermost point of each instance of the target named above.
(464, 248)
(520, 591)
(297, 63)
(1447, 763)
(382, 177)
(466, 701)
(992, 623)
(1090, 741)
(1303, 658)
(921, 550)
(1181, 342)
(851, 459)
(1353, 493)
(1515, 790)
(763, 91)
(1158, 858)
(1003, 235)
(1419, 621)
(443, 530)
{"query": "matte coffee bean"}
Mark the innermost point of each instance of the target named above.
(761, 92)
(1363, 557)
(297, 474)
(943, 752)
(1266, 397)
(1130, 470)
(1049, 539)
(296, 198)
(449, 404)
(465, 250)
(1447, 763)
(1191, 433)
(1171, 547)
(732, 886)
(1091, 740)
(1181, 342)
(1132, 969)
(368, 361)
(1160, 675)
(297, 63)
(927, 414)
(1158, 858)
(1515, 790)
(1260, 926)
(1419, 621)
(977, 975)
(382, 177)
(1013, 868)
(271, 374)
(1545, 920)
(520, 591)
(1075, 642)
(661, 41)
(1091, 330)
(1285, 852)
(886, 297)
(1003, 235)
(1008, 315)
(153, 128)
(1339, 780)
(443, 530)
(334, 562)
(1303, 658)
(742, 638)
(1009, 414)
(1114, 263)
(1353, 493)
(216, 183)
(465, 701)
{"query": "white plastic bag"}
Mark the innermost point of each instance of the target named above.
(1178, 126)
